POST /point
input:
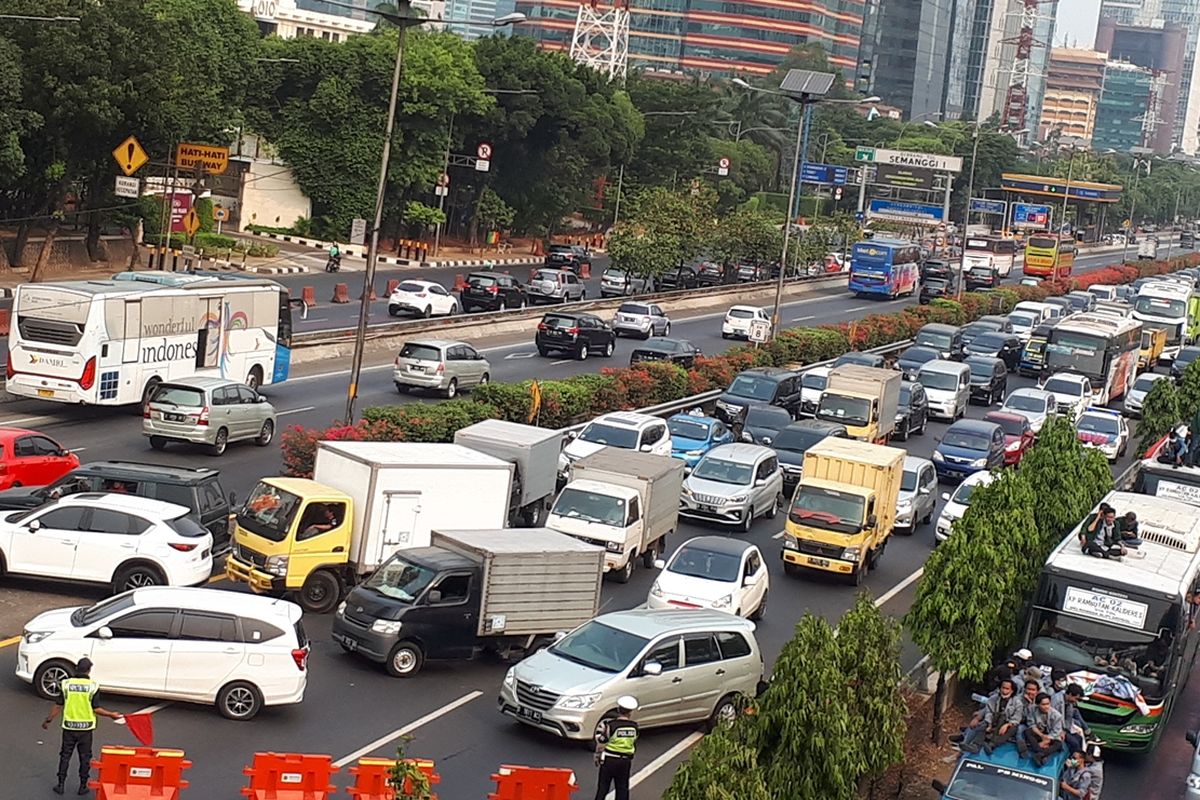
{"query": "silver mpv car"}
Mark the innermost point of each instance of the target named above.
(207, 411)
(441, 365)
(682, 665)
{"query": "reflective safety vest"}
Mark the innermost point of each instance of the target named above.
(621, 737)
(78, 714)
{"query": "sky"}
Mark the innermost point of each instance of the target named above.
(1076, 23)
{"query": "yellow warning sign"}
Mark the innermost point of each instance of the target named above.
(130, 156)
(191, 222)
(212, 159)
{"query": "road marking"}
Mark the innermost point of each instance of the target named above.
(898, 588)
(294, 411)
(409, 728)
(9, 642)
(153, 708)
(778, 535)
(32, 420)
(802, 319)
(77, 449)
(562, 361)
(511, 356)
(645, 772)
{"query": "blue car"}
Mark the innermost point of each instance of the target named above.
(693, 435)
(967, 447)
(1005, 774)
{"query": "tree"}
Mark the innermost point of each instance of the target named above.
(494, 213)
(802, 728)
(405, 778)
(1189, 392)
(751, 237)
(1061, 468)
(869, 652)
(663, 230)
(420, 218)
(1161, 412)
(722, 767)
(678, 119)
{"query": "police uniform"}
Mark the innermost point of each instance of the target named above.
(619, 737)
(78, 723)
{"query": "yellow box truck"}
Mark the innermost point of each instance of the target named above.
(843, 509)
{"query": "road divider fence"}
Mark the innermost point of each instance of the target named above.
(341, 294)
(290, 776)
(527, 783)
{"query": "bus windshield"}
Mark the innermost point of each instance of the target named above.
(1043, 242)
(1159, 306)
(1076, 352)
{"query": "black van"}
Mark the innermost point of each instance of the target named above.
(197, 489)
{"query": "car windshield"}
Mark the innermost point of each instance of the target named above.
(600, 433)
(908, 482)
(962, 495)
(752, 386)
(828, 509)
(89, 615)
(1099, 423)
(982, 781)
(846, 410)
(178, 395)
(687, 429)
(634, 308)
(599, 646)
(1025, 402)
(940, 341)
(1022, 320)
(1159, 306)
(1145, 382)
(412, 288)
(421, 352)
(798, 439)
(269, 511)
(400, 579)
(942, 381)
(696, 562)
(767, 417)
(604, 509)
(965, 439)
(1065, 388)
(740, 313)
(719, 470)
(815, 380)
(918, 355)
(1012, 426)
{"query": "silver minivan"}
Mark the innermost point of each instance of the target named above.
(947, 386)
(682, 665)
(733, 484)
(207, 411)
(441, 365)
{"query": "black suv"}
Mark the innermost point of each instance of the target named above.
(989, 378)
(795, 440)
(683, 277)
(568, 256)
(912, 412)
(712, 275)
(577, 334)
(492, 291)
(982, 277)
(935, 268)
(197, 489)
(934, 288)
(773, 385)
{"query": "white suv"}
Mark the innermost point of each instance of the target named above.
(1072, 393)
(238, 651)
(957, 503)
(121, 540)
(625, 429)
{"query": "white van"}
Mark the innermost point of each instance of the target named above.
(1040, 311)
(238, 651)
(948, 387)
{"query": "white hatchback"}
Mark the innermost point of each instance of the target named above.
(423, 298)
(713, 572)
(957, 503)
(238, 651)
(738, 320)
(117, 539)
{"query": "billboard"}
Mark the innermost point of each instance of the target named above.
(904, 177)
(902, 211)
(980, 205)
(1028, 215)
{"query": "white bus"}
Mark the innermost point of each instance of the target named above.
(1104, 349)
(1171, 306)
(109, 342)
(995, 252)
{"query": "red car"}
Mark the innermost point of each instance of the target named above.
(28, 458)
(1018, 436)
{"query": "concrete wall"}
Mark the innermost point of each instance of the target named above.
(271, 196)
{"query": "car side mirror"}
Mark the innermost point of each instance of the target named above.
(646, 448)
(946, 496)
(660, 563)
(34, 525)
(924, 490)
(435, 596)
(760, 482)
(938, 786)
(104, 633)
(871, 520)
(559, 636)
(572, 434)
(652, 668)
(687, 471)
(750, 580)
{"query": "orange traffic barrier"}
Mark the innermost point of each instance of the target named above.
(289, 776)
(538, 249)
(5, 321)
(585, 271)
(341, 293)
(392, 284)
(309, 296)
(371, 778)
(139, 773)
(372, 291)
(533, 783)
(459, 283)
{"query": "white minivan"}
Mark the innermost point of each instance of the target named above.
(238, 651)
(947, 386)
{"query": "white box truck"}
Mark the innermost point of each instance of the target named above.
(622, 500)
(533, 451)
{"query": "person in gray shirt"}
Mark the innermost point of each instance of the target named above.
(1001, 716)
(1076, 779)
(1044, 731)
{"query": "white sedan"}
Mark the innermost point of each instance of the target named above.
(423, 298)
(713, 572)
(738, 320)
(1105, 430)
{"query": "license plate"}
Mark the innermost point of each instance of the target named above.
(45, 393)
(414, 368)
(819, 562)
(348, 643)
(174, 417)
(531, 714)
(708, 509)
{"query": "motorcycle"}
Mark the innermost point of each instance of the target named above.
(333, 264)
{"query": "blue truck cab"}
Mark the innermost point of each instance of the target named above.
(1004, 775)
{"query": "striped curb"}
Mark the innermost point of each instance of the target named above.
(361, 252)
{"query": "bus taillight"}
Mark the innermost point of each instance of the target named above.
(89, 374)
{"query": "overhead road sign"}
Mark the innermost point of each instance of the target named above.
(130, 156)
(906, 158)
(1028, 215)
(823, 173)
(212, 159)
(901, 211)
(980, 205)
(904, 177)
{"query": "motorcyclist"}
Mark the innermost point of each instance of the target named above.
(335, 258)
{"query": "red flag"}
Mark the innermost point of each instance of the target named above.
(141, 727)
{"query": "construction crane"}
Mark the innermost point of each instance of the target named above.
(1016, 99)
(601, 38)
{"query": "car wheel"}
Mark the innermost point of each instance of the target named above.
(453, 310)
(625, 573)
(667, 330)
(748, 520)
(924, 424)
(393, 311)
(791, 569)
(652, 552)
(860, 575)
(724, 335)
(266, 434)
(582, 353)
(158, 443)
(428, 312)
(483, 379)
(218, 446)
(542, 351)
(405, 660)
(451, 388)
(401, 388)
(48, 678)
(147, 391)
(136, 577)
(583, 295)
(239, 701)
(609, 348)
(775, 506)
(724, 714)
(761, 611)
(320, 592)
(904, 437)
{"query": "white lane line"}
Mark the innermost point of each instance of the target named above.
(32, 420)
(898, 588)
(660, 762)
(778, 535)
(519, 355)
(563, 361)
(407, 729)
(77, 449)
(152, 709)
(802, 319)
(294, 411)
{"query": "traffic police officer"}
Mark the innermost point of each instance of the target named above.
(79, 720)
(615, 742)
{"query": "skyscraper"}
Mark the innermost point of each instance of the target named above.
(1073, 86)
(1008, 19)
(909, 45)
(472, 19)
(1122, 103)
(1160, 49)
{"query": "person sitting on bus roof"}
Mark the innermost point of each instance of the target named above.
(1097, 536)
(1043, 732)
(1174, 450)
(1001, 718)
(1127, 527)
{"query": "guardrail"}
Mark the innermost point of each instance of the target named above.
(685, 403)
(442, 324)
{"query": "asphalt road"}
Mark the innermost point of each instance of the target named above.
(352, 705)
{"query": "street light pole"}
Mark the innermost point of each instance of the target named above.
(1137, 174)
(962, 251)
